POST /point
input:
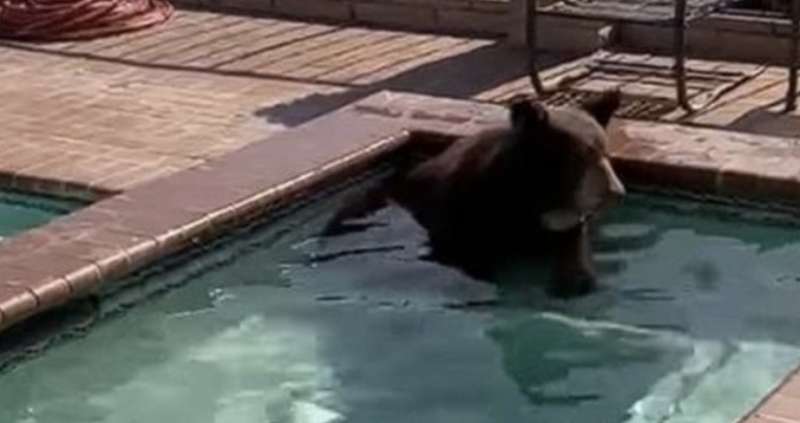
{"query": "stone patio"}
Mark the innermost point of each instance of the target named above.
(116, 112)
(104, 116)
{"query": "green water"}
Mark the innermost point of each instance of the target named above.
(19, 212)
(697, 319)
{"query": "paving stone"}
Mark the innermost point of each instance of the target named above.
(781, 407)
(764, 419)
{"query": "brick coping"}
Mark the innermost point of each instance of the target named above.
(75, 255)
(75, 191)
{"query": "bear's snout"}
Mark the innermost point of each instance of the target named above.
(616, 190)
(600, 188)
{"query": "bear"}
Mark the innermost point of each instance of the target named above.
(531, 187)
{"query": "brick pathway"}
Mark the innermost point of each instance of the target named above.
(783, 406)
(116, 112)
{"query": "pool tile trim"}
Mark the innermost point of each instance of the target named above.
(75, 255)
(48, 186)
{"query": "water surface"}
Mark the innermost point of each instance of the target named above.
(19, 212)
(696, 320)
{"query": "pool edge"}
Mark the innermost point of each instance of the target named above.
(74, 255)
(163, 213)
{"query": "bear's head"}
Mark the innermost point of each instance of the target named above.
(565, 158)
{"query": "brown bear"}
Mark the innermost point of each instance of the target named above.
(528, 188)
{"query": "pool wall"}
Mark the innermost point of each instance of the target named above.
(74, 255)
(21, 211)
(70, 190)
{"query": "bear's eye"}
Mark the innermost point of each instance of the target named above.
(591, 153)
(600, 144)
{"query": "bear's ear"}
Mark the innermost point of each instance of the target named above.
(527, 113)
(603, 107)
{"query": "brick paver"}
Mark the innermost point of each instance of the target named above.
(127, 121)
(783, 406)
(112, 113)
(131, 108)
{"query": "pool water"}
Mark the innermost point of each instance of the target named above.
(695, 322)
(19, 212)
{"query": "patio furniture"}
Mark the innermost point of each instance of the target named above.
(663, 13)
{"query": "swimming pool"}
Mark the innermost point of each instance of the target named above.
(19, 211)
(695, 322)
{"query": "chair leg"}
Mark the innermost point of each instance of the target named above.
(679, 50)
(533, 47)
(791, 94)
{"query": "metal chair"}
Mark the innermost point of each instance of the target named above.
(655, 13)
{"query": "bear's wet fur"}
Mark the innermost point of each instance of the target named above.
(526, 189)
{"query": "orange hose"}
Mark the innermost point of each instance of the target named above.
(60, 20)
